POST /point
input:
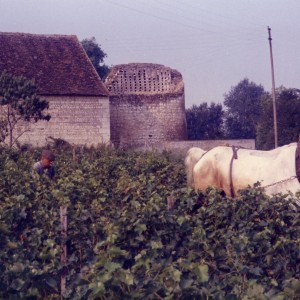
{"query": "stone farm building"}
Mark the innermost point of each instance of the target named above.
(147, 105)
(65, 77)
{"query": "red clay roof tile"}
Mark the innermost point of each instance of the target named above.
(58, 63)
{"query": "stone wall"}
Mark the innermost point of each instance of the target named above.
(76, 119)
(138, 121)
(180, 148)
(147, 105)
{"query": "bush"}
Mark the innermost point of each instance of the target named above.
(124, 243)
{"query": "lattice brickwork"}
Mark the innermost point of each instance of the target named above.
(142, 78)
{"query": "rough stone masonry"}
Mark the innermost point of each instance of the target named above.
(147, 105)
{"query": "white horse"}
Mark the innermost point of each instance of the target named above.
(232, 169)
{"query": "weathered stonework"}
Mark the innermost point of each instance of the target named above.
(146, 104)
(78, 120)
(180, 148)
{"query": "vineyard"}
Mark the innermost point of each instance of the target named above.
(125, 242)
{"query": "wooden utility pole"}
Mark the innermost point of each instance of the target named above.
(64, 228)
(273, 91)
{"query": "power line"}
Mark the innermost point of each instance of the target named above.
(169, 20)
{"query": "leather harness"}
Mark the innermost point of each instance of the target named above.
(234, 156)
(297, 160)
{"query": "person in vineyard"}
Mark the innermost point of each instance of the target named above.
(45, 164)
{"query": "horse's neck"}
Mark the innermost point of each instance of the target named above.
(287, 151)
(279, 151)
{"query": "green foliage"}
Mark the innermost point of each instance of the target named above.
(18, 103)
(243, 104)
(205, 122)
(96, 55)
(123, 242)
(288, 119)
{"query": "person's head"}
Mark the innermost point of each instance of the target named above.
(47, 158)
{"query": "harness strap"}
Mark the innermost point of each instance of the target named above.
(234, 156)
(297, 161)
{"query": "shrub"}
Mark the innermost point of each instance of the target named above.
(124, 243)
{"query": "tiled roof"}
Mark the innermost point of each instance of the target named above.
(58, 63)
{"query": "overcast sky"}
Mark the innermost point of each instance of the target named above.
(214, 44)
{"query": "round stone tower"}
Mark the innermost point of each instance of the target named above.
(146, 105)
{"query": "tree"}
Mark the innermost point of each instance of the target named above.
(96, 55)
(19, 103)
(288, 119)
(243, 104)
(205, 122)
